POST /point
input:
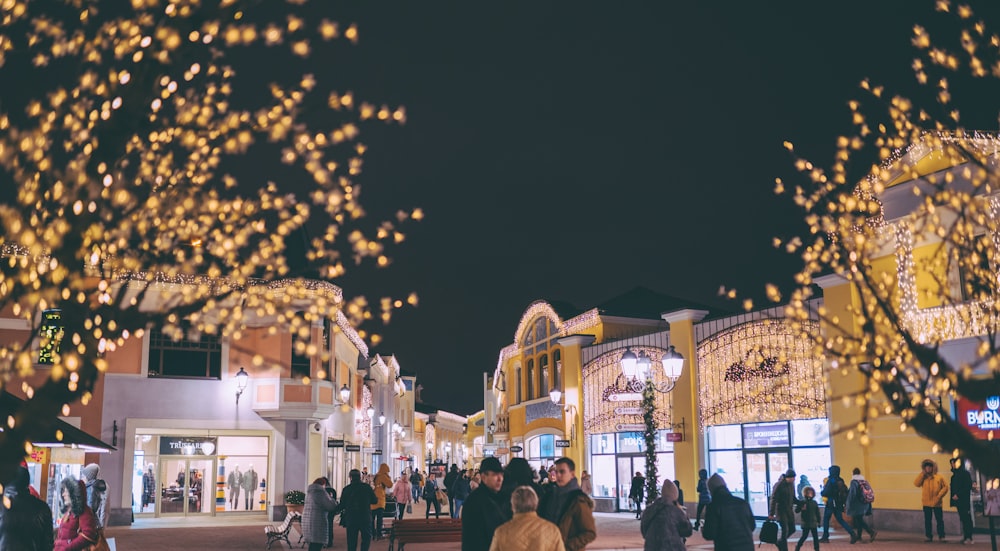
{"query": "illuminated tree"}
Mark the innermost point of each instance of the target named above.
(146, 142)
(952, 216)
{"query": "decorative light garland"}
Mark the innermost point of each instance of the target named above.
(602, 378)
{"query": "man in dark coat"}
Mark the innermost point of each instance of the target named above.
(729, 521)
(961, 496)
(637, 492)
(449, 479)
(835, 492)
(484, 511)
(569, 507)
(782, 508)
(356, 501)
(27, 524)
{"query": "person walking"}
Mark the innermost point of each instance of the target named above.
(484, 510)
(680, 494)
(809, 510)
(729, 520)
(637, 492)
(933, 488)
(430, 497)
(663, 524)
(835, 493)
(857, 507)
(517, 473)
(569, 508)
(97, 492)
(449, 479)
(380, 484)
(526, 531)
(782, 508)
(416, 481)
(586, 484)
(25, 520)
(314, 514)
(78, 528)
(355, 504)
(459, 492)
(403, 494)
(704, 496)
(961, 497)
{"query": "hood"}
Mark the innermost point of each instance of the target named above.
(834, 471)
(383, 469)
(90, 472)
(77, 494)
(715, 482)
(930, 462)
(669, 491)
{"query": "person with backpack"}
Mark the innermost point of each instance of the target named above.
(860, 497)
(835, 493)
(729, 520)
(933, 488)
(961, 497)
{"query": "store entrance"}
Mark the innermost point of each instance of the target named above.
(187, 487)
(627, 467)
(764, 470)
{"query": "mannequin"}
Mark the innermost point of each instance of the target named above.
(235, 481)
(148, 487)
(249, 485)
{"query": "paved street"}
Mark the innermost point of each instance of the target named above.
(615, 531)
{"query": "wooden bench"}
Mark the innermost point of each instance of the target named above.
(277, 533)
(419, 530)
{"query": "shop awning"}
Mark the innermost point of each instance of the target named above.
(46, 437)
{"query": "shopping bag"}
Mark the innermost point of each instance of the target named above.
(769, 532)
(409, 507)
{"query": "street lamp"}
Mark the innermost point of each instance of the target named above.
(242, 378)
(370, 412)
(639, 367)
(381, 419)
(345, 394)
(493, 427)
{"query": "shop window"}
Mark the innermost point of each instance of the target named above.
(631, 442)
(196, 358)
(725, 437)
(813, 463)
(811, 432)
(602, 443)
(603, 475)
(300, 341)
(728, 465)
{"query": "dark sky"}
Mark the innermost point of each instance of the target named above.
(572, 151)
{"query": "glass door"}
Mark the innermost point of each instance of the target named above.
(763, 469)
(186, 487)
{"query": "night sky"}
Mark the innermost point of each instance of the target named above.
(573, 151)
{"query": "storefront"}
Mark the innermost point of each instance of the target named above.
(751, 457)
(199, 474)
(616, 457)
(762, 405)
(983, 421)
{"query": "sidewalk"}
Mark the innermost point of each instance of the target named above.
(614, 531)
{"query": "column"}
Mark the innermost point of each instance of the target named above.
(689, 454)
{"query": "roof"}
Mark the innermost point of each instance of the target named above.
(643, 303)
(46, 434)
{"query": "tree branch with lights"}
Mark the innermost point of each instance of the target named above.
(147, 153)
(894, 332)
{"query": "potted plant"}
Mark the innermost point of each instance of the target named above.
(295, 500)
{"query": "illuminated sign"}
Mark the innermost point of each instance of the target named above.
(981, 418)
(51, 333)
(170, 445)
(765, 435)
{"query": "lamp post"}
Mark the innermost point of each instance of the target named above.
(242, 378)
(345, 394)
(641, 365)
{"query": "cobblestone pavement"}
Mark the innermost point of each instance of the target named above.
(615, 531)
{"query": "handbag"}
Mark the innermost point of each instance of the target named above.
(409, 507)
(442, 497)
(100, 545)
(769, 532)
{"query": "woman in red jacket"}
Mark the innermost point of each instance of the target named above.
(78, 527)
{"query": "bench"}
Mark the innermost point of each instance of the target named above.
(418, 530)
(280, 532)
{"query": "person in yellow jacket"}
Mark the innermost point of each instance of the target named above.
(380, 483)
(933, 488)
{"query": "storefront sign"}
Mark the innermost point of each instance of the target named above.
(562, 443)
(503, 451)
(765, 435)
(488, 452)
(185, 445)
(352, 447)
(627, 427)
(675, 437)
(625, 397)
(981, 418)
(38, 455)
(516, 449)
(628, 411)
(331, 443)
(377, 451)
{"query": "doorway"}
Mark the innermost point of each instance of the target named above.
(764, 470)
(186, 486)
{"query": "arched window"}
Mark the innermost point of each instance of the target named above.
(543, 373)
(300, 328)
(531, 379)
(557, 376)
(517, 385)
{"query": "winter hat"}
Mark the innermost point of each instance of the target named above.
(715, 482)
(490, 464)
(90, 472)
(790, 473)
(669, 491)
